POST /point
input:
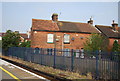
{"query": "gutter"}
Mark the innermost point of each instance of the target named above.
(63, 31)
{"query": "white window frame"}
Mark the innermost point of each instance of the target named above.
(50, 38)
(66, 39)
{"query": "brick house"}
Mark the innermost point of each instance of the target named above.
(60, 34)
(23, 36)
(1, 35)
(111, 32)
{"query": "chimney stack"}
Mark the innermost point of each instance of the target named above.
(90, 21)
(115, 26)
(55, 17)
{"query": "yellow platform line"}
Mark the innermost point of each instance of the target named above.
(10, 74)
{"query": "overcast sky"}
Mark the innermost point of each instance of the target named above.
(17, 16)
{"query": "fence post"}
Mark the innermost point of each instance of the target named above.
(72, 60)
(97, 65)
(8, 54)
(54, 58)
(118, 66)
(25, 53)
(41, 56)
(11, 51)
(32, 52)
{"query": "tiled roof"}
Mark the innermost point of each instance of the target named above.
(44, 24)
(108, 31)
(24, 35)
(21, 34)
(76, 26)
(2, 34)
(38, 24)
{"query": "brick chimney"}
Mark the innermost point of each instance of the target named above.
(55, 17)
(115, 26)
(90, 21)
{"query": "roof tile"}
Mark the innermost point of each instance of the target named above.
(108, 31)
(38, 24)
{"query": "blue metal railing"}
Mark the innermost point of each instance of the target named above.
(104, 65)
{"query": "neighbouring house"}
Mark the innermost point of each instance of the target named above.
(1, 35)
(60, 34)
(111, 32)
(23, 36)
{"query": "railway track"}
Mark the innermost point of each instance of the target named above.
(40, 73)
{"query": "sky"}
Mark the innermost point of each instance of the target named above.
(17, 16)
(119, 13)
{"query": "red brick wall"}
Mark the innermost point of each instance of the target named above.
(39, 39)
(119, 41)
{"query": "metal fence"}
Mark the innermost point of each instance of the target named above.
(102, 65)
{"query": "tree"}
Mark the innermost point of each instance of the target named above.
(10, 39)
(116, 46)
(25, 44)
(96, 42)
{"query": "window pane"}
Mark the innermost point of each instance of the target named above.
(50, 38)
(66, 38)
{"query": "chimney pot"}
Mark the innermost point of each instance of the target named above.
(90, 21)
(113, 21)
(115, 26)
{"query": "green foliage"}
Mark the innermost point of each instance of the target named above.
(10, 39)
(25, 44)
(116, 46)
(96, 42)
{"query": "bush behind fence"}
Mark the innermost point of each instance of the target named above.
(102, 65)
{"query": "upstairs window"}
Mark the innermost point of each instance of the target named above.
(66, 38)
(50, 38)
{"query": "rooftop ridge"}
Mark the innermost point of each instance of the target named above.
(61, 21)
(103, 26)
(72, 22)
(41, 19)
